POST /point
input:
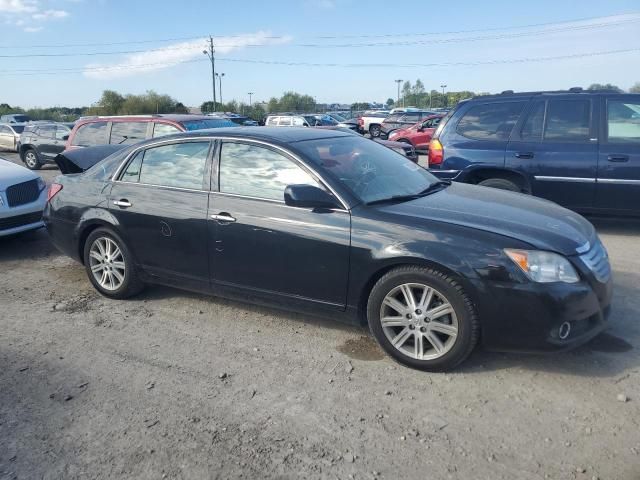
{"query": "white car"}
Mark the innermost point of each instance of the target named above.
(23, 195)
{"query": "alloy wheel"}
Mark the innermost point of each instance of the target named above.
(30, 159)
(107, 263)
(419, 321)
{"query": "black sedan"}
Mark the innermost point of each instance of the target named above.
(335, 224)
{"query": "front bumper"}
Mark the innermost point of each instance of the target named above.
(22, 218)
(527, 317)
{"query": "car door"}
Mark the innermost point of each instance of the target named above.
(261, 245)
(556, 147)
(424, 132)
(618, 185)
(160, 203)
(43, 141)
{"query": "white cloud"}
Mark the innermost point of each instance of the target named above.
(50, 14)
(18, 6)
(18, 12)
(32, 29)
(161, 58)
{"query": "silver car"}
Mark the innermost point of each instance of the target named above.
(10, 136)
(23, 195)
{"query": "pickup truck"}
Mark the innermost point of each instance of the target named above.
(370, 122)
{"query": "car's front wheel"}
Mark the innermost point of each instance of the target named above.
(423, 318)
(110, 265)
(374, 131)
(31, 159)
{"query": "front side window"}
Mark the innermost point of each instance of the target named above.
(298, 121)
(180, 165)
(533, 125)
(623, 121)
(162, 129)
(255, 171)
(411, 118)
(94, 133)
(491, 121)
(5, 130)
(132, 172)
(62, 132)
(46, 131)
(125, 133)
(567, 121)
(284, 122)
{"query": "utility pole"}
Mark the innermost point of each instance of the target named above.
(444, 99)
(399, 81)
(211, 54)
(250, 93)
(220, 75)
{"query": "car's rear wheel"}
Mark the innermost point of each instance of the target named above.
(110, 265)
(501, 184)
(32, 160)
(374, 131)
(423, 318)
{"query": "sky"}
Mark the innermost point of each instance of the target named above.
(66, 52)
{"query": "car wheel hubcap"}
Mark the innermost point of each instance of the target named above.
(419, 321)
(31, 159)
(107, 263)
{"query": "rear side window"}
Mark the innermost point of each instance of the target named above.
(179, 165)
(623, 121)
(47, 131)
(94, 133)
(533, 125)
(124, 133)
(272, 121)
(567, 121)
(285, 121)
(491, 121)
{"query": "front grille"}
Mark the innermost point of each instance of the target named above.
(22, 193)
(20, 220)
(598, 262)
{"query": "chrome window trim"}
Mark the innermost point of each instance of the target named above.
(164, 186)
(622, 181)
(269, 200)
(565, 179)
(231, 139)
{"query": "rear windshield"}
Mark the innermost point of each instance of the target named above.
(20, 118)
(207, 123)
(18, 128)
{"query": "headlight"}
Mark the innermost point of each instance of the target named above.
(544, 267)
(41, 184)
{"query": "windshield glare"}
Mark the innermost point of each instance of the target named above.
(208, 123)
(369, 170)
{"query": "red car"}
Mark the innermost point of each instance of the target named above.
(418, 135)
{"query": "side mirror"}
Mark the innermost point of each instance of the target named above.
(65, 137)
(308, 196)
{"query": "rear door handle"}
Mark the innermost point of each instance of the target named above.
(618, 158)
(223, 217)
(123, 202)
(524, 155)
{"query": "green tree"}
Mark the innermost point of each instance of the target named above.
(605, 86)
(635, 88)
(390, 102)
(361, 106)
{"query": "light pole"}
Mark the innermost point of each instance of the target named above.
(399, 81)
(444, 99)
(220, 75)
(211, 54)
(250, 93)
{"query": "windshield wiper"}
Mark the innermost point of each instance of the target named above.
(434, 187)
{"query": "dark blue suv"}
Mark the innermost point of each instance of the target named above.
(578, 148)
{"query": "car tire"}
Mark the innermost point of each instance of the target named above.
(110, 265)
(501, 184)
(436, 342)
(32, 159)
(374, 131)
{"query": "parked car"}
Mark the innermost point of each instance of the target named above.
(332, 223)
(15, 118)
(286, 120)
(10, 136)
(41, 142)
(578, 148)
(242, 120)
(22, 197)
(370, 122)
(399, 120)
(418, 135)
(130, 129)
(402, 148)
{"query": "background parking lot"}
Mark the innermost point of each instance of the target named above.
(179, 385)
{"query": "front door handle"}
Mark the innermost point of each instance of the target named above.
(524, 155)
(223, 217)
(123, 203)
(618, 158)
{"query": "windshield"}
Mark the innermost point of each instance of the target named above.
(20, 118)
(18, 128)
(369, 170)
(207, 123)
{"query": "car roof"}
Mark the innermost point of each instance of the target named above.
(176, 117)
(273, 134)
(507, 94)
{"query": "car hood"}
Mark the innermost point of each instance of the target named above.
(540, 223)
(10, 174)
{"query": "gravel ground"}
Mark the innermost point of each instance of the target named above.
(179, 385)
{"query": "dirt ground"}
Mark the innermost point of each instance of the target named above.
(179, 385)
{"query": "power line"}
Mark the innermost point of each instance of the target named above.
(337, 37)
(337, 65)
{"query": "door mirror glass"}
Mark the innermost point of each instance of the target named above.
(308, 196)
(65, 137)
